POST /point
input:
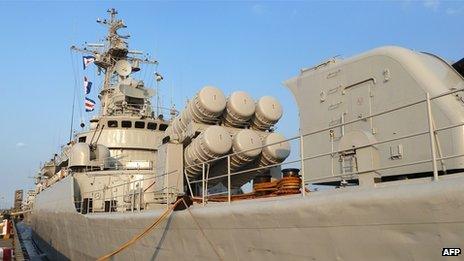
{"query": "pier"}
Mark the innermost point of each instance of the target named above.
(15, 241)
(6, 245)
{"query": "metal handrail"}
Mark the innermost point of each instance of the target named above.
(387, 167)
(205, 178)
(247, 170)
(329, 128)
(336, 152)
(138, 195)
(130, 182)
(431, 131)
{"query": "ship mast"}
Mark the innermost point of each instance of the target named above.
(117, 62)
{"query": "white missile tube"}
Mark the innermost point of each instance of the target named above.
(268, 112)
(240, 107)
(205, 107)
(214, 142)
(276, 153)
(247, 144)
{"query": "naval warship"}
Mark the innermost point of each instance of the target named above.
(377, 175)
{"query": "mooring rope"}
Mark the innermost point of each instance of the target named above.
(134, 239)
(163, 216)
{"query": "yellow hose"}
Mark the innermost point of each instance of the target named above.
(134, 239)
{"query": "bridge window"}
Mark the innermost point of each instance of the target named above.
(163, 127)
(113, 124)
(126, 124)
(139, 124)
(82, 139)
(151, 126)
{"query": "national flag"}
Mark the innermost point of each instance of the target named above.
(89, 104)
(87, 85)
(86, 60)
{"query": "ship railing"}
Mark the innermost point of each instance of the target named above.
(112, 164)
(169, 113)
(134, 195)
(159, 110)
(431, 133)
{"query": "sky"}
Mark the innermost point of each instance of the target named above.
(246, 45)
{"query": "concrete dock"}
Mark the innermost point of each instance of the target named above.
(6, 242)
(14, 242)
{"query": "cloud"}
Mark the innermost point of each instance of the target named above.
(20, 144)
(431, 4)
(434, 5)
(454, 11)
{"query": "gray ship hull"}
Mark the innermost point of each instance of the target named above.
(393, 222)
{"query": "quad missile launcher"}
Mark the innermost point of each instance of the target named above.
(212, 126)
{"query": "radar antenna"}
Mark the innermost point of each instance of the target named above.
(114, 59)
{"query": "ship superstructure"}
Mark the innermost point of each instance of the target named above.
(131, 158)
(384, 128)
(126, 132)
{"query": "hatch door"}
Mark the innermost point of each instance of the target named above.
(359, 98)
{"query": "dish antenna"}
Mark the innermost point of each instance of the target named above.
(123, 68)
